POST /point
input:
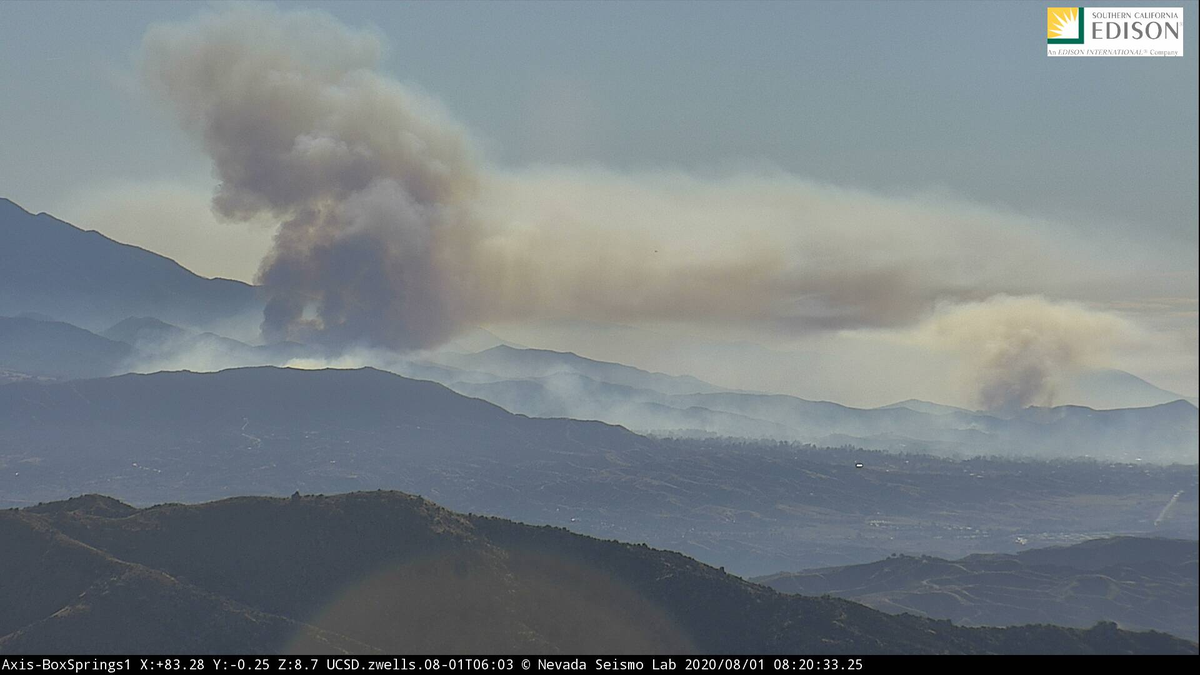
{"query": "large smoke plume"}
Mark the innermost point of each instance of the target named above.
(395, 234)
(372, 183)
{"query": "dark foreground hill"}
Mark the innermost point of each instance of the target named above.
(386, 571)
(1138, 582)
(756, 508)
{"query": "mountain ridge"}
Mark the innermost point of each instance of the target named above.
(1139, 582)
(538, 386)
(57, 349)
(93, 281)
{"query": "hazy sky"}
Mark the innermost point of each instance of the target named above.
(951, 103)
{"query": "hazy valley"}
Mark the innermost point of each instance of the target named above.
(755, 507)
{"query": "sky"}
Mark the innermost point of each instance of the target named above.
(948, 114)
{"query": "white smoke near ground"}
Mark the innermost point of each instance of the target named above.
(1018, 350)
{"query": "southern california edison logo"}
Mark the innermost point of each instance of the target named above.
(1064, 25)
(1114, 31)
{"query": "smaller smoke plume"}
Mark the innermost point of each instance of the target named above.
(1019, 349)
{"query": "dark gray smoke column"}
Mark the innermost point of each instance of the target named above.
(372, 183)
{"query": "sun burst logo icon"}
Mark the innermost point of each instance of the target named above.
(1063, 25)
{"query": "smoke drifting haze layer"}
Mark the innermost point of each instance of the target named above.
(396, 233)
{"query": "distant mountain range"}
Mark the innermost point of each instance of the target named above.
(1110, 388)
(84, 278)
(147, 313)
(391, 573)
(1138, 583)
(513, 363)
(543, 383)
(927, 407)
(43, 347)
(58, 350)
(178, 436)
(554, 384)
